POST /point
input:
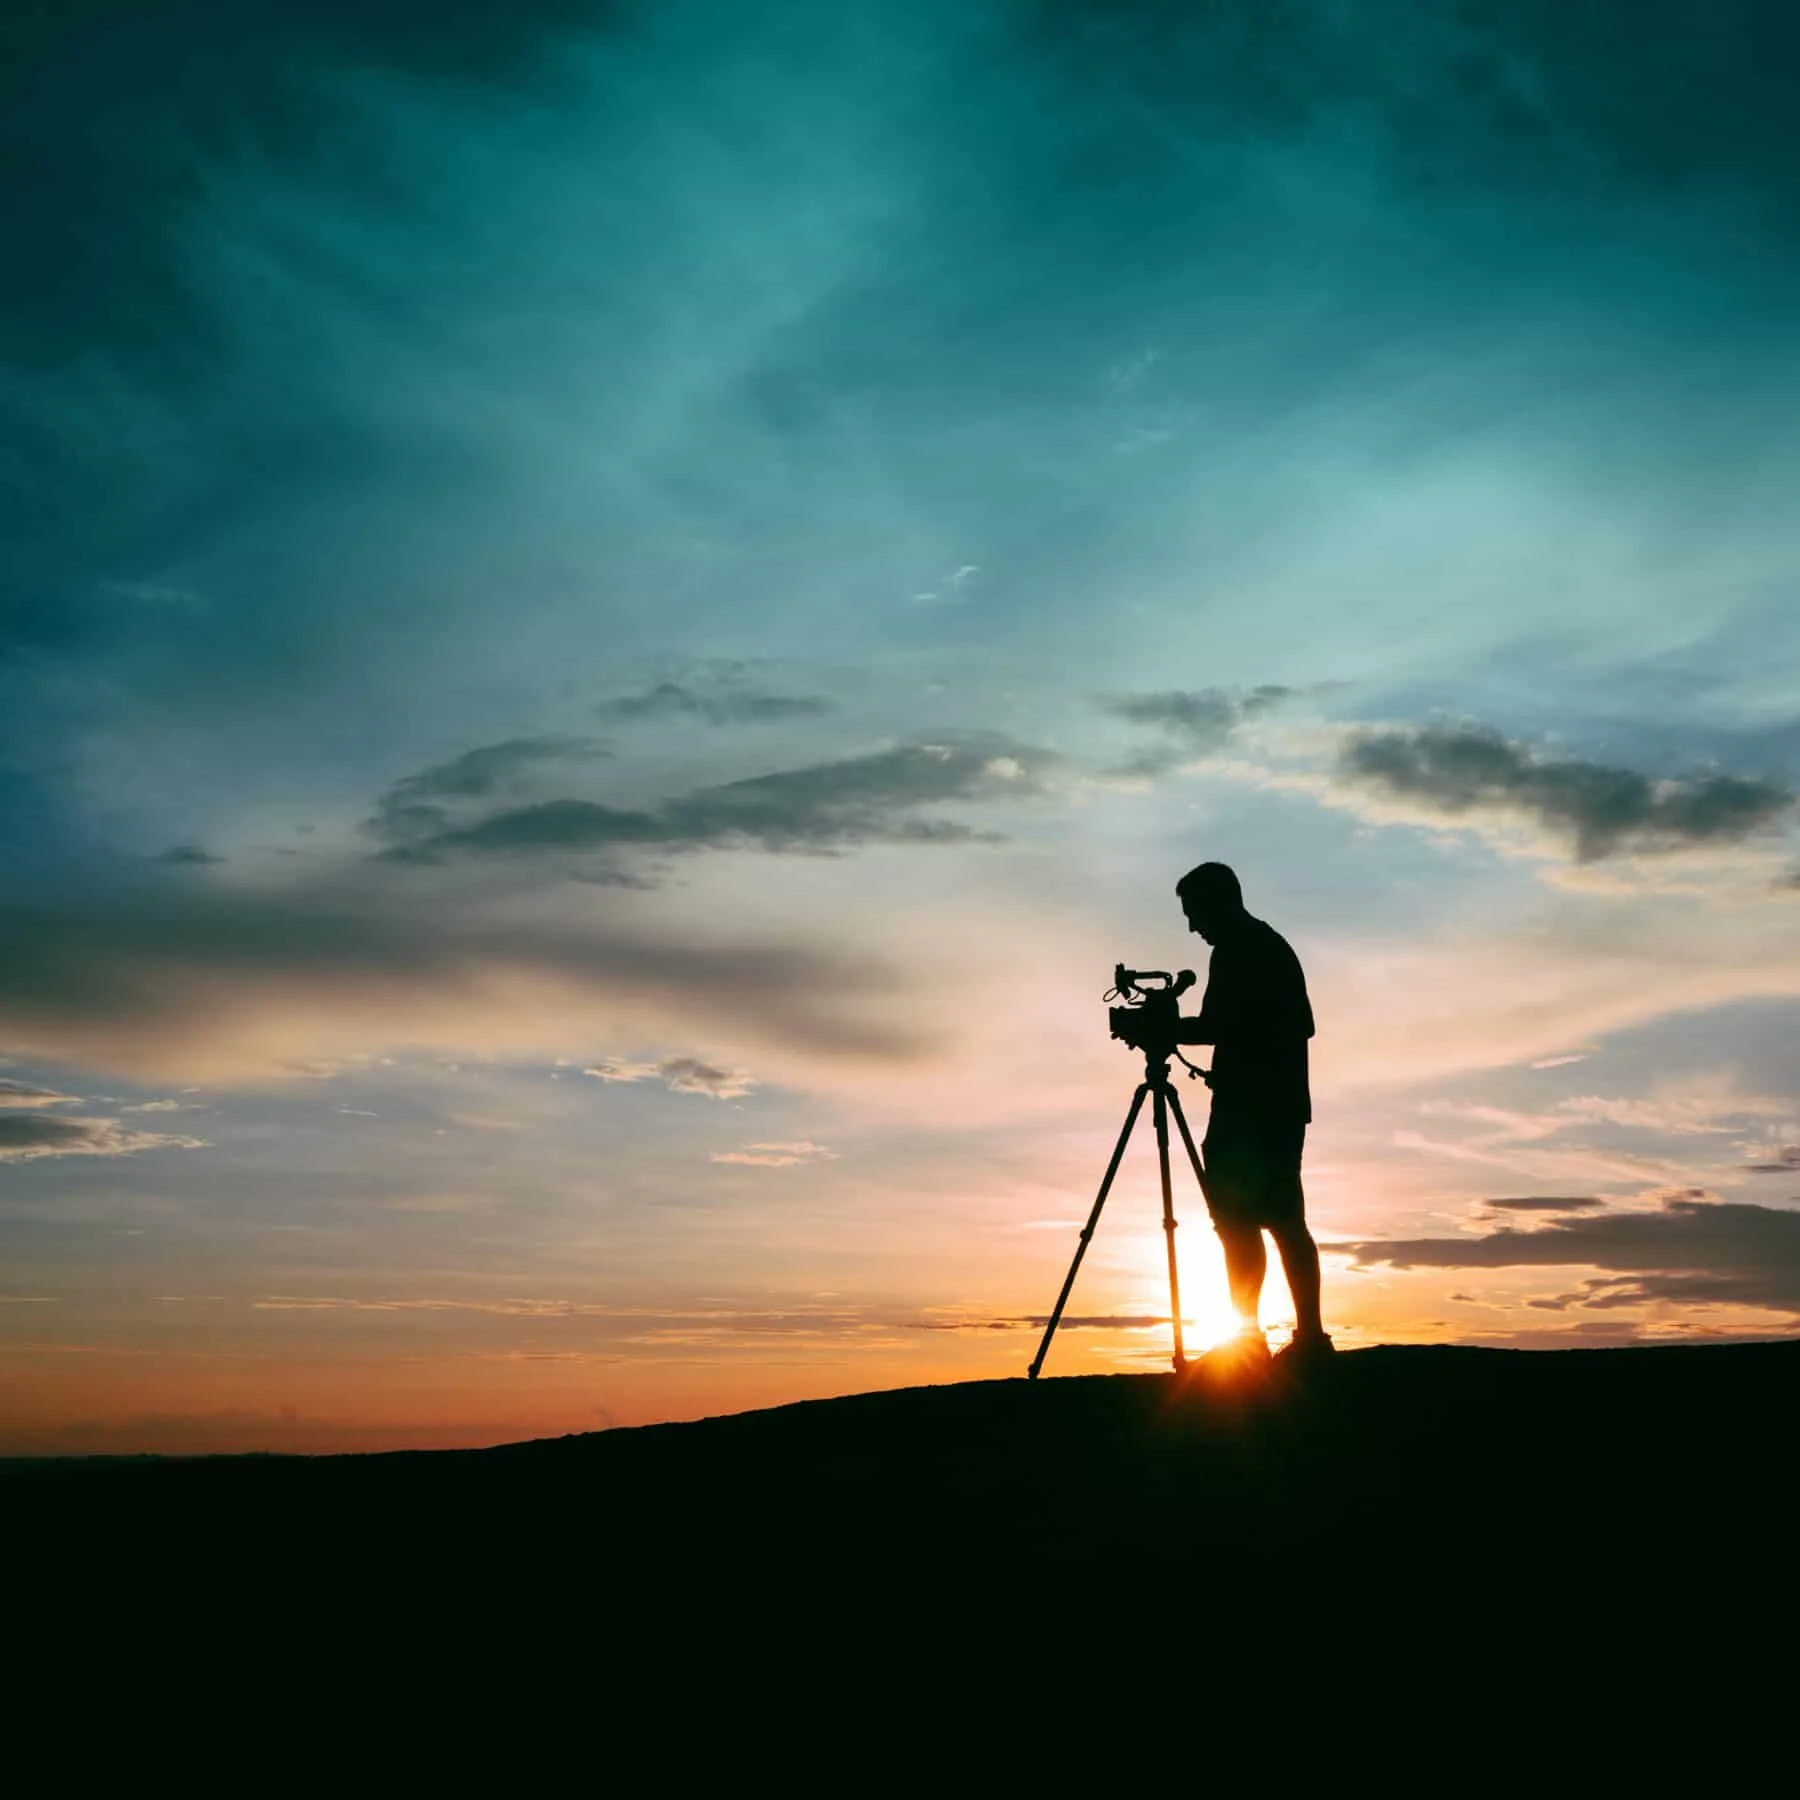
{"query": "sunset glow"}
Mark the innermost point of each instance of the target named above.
(611, 621)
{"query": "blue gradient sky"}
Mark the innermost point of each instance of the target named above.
(611, 616)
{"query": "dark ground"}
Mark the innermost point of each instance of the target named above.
(1459, 1477)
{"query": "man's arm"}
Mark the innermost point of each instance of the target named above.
(1203, 1027)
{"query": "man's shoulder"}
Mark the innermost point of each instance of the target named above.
(1263, 939)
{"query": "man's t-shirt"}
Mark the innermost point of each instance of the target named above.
(1258, 1018)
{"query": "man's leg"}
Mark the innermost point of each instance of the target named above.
(1246, 1262)
(1300, 1263)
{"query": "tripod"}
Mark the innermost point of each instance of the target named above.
(1157, 1087)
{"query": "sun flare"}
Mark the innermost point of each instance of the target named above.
(1207, 1315)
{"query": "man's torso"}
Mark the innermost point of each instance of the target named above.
(1259, 1020)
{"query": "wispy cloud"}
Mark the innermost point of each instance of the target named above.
(1037, 1322)
(1785, 1161)
(521, 1307)
(25, 1136)
(25, 1094)
(1708, 1109)
(1575, 1163)
(775, 1155)
(719, 705)
(683, 1074)
(1191, 723)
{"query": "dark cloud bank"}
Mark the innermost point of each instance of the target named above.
(417, 805)
(176, 959)
(1692, 1251)
(139, 977)
(823, 807)
(1546, 1203)
(1602, 810)
(1458, 770)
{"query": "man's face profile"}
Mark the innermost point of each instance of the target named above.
(1202, 916)
(1211, 901)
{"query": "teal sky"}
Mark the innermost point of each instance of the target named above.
(611, 616)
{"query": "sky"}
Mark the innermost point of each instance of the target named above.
(611, 616)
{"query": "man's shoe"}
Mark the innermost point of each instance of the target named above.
(1306, 1351)
(1244, 1354)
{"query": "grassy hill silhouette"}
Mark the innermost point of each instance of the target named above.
(1618, 1465)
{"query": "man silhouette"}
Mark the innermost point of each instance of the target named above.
(1257, 1017)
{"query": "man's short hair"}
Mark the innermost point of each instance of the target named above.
(1212, 881)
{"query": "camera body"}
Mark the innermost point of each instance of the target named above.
(1148, 1016)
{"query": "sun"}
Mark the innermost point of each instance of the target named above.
(1207, 1316)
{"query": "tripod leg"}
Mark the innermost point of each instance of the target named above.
(1087, 1231)
(1168, 1200)
(1187, 1137)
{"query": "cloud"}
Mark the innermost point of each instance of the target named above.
(416, 805)
(688, 1075)
(1689, 1250)
(190, 854)
(511, 1307)
(723, 706)
(1455, 771)
(1710, 1109)
(1574, 1164)
(684, 1075)
(1068, 1322)
(24, 1094)
(205, 981)
(611, 1069)
(25, 1136)
(775, 1156)
(1547, 1203)
(1785, 1161)
(952, 585)
(1194, 723)
(1465, 994)
(1685, 1114)
(1101, 1321)
(820, 807)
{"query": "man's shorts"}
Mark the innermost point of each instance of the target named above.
(1253, 1171)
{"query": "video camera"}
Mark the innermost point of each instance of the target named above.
(1148, 1015)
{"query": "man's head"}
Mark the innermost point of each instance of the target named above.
(1211, 898)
